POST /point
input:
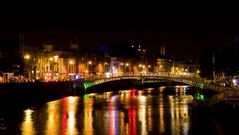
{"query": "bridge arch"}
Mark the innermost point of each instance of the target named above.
(134, 81)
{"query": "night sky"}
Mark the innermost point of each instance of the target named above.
(185, 28)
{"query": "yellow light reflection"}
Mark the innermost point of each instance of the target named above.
(161, 113)
(179, 113)
(88, 118)
(172, 105)
(62, 117)
(150, 121)
(53, 113)
(184, 115)
(72, 110)
(142, 114)
(123, 126)
(27, 125)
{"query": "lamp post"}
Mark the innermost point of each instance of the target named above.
(144, 71)
(56, 68)
(140, 69)
(28, 68)
(88, 67)
(148, 70)
(121, 69)
(71, 69)
(126, 68)
(105, 67)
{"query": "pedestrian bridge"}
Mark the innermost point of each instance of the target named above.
(224, 93)
(150, 79)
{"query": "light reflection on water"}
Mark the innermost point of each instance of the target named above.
(27, 124)
(53, 117)
(125, 113)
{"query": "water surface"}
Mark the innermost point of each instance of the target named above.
(127, 112)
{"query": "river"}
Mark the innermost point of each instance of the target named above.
(152, 111)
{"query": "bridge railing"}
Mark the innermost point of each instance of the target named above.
(91, 82)
(198, 82)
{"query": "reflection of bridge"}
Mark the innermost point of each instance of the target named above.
(223, 93)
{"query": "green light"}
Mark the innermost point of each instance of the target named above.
(201, 85)
(201, 97)
(87, 85)
(85, 97)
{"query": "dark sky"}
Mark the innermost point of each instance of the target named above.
(186, 28)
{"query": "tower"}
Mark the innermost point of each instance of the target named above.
(162, 49)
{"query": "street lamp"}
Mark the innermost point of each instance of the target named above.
(55, 67)
(28, 68)
(27, 56)
(88, 67)
(71, 69)
(105, 67)
(144, 71)
(148, 70)
(126, 67)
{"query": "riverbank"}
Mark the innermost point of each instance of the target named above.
(31, 93)
(220, 110)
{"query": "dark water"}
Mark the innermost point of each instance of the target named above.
(127, 112)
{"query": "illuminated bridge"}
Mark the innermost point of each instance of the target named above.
(223, 93)
(42, 91)
(146, 80)
(139, 80)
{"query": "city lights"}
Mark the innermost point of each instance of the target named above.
(27, 56)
